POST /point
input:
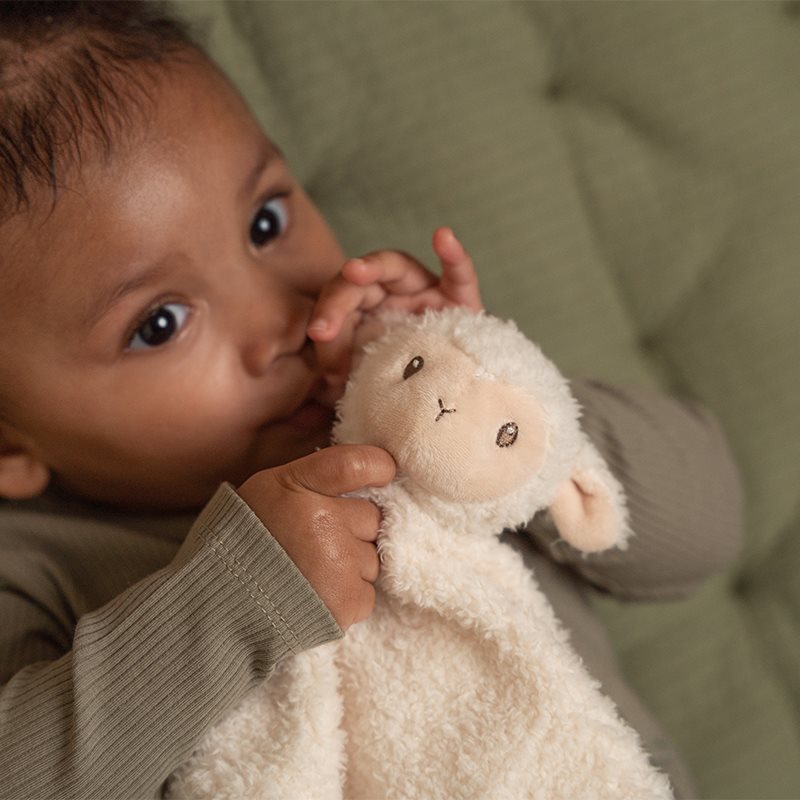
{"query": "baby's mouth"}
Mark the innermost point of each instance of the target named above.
(306, 352)
(326, 394)
(311, 416)
(327, 389)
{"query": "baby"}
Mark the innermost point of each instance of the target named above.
(160, 287)
(176, 320)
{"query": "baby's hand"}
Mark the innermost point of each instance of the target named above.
(330, 538)
(387, 279)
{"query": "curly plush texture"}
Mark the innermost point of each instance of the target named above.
(462, 683)
(502, 355)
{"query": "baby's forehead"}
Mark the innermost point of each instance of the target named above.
(143, 120)
(71, 100)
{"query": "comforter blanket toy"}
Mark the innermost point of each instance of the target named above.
(462, 683)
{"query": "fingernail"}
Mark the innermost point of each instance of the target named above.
(318, 325)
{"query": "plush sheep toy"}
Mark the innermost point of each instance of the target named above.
(462, 683)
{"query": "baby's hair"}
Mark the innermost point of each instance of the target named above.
(70, 75)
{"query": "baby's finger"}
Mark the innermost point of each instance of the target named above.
(370, 562)
(333, 355)
(341, 469)
(338, 301)
(459, 282)
(365, 518)
(395, 271)
(366, 603)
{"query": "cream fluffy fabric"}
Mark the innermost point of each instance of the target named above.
(462, 683)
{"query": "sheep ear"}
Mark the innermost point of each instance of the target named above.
(589, 507)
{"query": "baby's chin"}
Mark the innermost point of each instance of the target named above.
(312, 418)
(167, 487)
(308, 429)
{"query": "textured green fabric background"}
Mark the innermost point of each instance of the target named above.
(627, 176)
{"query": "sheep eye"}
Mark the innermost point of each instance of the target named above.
(507, 434)
(413, 367)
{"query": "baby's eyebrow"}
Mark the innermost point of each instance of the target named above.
(108, 296)
(268, 154)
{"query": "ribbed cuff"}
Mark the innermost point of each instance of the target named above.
(230, 533)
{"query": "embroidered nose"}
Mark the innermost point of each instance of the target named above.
(443, 410)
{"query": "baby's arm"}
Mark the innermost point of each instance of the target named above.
(682, 488)
(111, 708)
(111, 705)
(387, 279)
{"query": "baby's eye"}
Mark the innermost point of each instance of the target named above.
(160, 326)
(269, 222)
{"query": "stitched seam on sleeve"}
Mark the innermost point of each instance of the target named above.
(247, 580)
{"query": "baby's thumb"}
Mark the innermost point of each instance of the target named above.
(341, 469)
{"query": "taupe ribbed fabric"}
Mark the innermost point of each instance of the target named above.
(119, 646)
(683, 490)
(116, 663)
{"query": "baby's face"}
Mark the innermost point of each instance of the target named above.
(152, 327)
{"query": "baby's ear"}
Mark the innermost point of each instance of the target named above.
(22, 474)
(589, 507)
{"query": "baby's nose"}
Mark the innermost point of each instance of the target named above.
(272, 324)
(258, 355)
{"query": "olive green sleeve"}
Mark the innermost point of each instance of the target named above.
(682, 488)
(111, 711)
